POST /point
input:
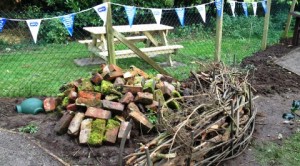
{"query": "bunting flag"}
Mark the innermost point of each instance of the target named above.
(157, 14)
(202, 11)
(245, 7)
(68, 21)
(34, 26)
(102, 11)
(264, 6)
(180, 14)
(254, 5)
(219, 5)
(2, 23)
(130, 11)
(232, 6)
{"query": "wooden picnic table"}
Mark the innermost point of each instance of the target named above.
(154, 35)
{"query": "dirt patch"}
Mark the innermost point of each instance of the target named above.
(277, 87)
(268, 77)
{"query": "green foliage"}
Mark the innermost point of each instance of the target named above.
(30, 128)
(152, 117)
(97, 133)
(111, 123)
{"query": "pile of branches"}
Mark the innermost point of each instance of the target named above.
(215, 121)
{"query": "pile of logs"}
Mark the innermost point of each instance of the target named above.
(98, 109)
(213, 124)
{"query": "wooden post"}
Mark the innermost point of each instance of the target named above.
(219, 35)
(110, 36)
(289, 19)
(266, 26)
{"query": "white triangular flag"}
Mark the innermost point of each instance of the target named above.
(254, 5)
(232, 5)
(157, 14)
(102, 11)
(130, 11)
(202, 11)
(34, 26)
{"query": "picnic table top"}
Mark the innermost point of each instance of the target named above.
(127, 28)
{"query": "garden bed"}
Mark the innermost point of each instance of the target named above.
(268, 79)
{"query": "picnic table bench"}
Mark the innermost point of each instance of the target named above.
(153, 47)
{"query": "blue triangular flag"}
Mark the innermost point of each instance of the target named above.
(245, 7)
(130, 11)
(219, 5)
(2, 23)
(264, 6)
(68, 21)
(180, 14)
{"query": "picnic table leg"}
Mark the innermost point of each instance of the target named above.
(151, 38)
(296, 32)
(103, 39)
(163, 35)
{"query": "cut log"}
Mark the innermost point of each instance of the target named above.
(85, 131)
(144, 98)
(123, 127)
(133, 89)
(62, 125)
(75, 124)
(97, 113)
(127, 98)
(50, 104)
(113, 106)
(135, 113)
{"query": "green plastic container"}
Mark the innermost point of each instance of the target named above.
(30, 106)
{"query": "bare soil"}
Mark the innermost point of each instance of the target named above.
(275, 86)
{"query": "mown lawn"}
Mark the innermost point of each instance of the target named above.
(41, 70)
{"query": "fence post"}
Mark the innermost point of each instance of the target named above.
(219, 35)
(110, 36)
(289, 19)
(266, 26)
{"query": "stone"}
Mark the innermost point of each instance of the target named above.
(89, 95)
(74, 126)
(73, 95)
(138, 116)
(50, 104)
(113, 68)
(144, 98)
(90, 99)
(127, 98)
(139, 71)
(85, 130)
(88, 102)
(153, 106)
(133, 89)
(123, 127)
(99, 113)
(113, 106)
(112, 129)
(86, 85)
(97, 78)
(62, 125)
(72, 107)
(119, 82)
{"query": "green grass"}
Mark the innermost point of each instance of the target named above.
(287, 154)
(40, 70)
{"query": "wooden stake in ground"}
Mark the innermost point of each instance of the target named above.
(110, 36)
(219, 34)
(289, 19)
(266, 26)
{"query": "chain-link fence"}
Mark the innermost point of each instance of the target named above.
(29, 69)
